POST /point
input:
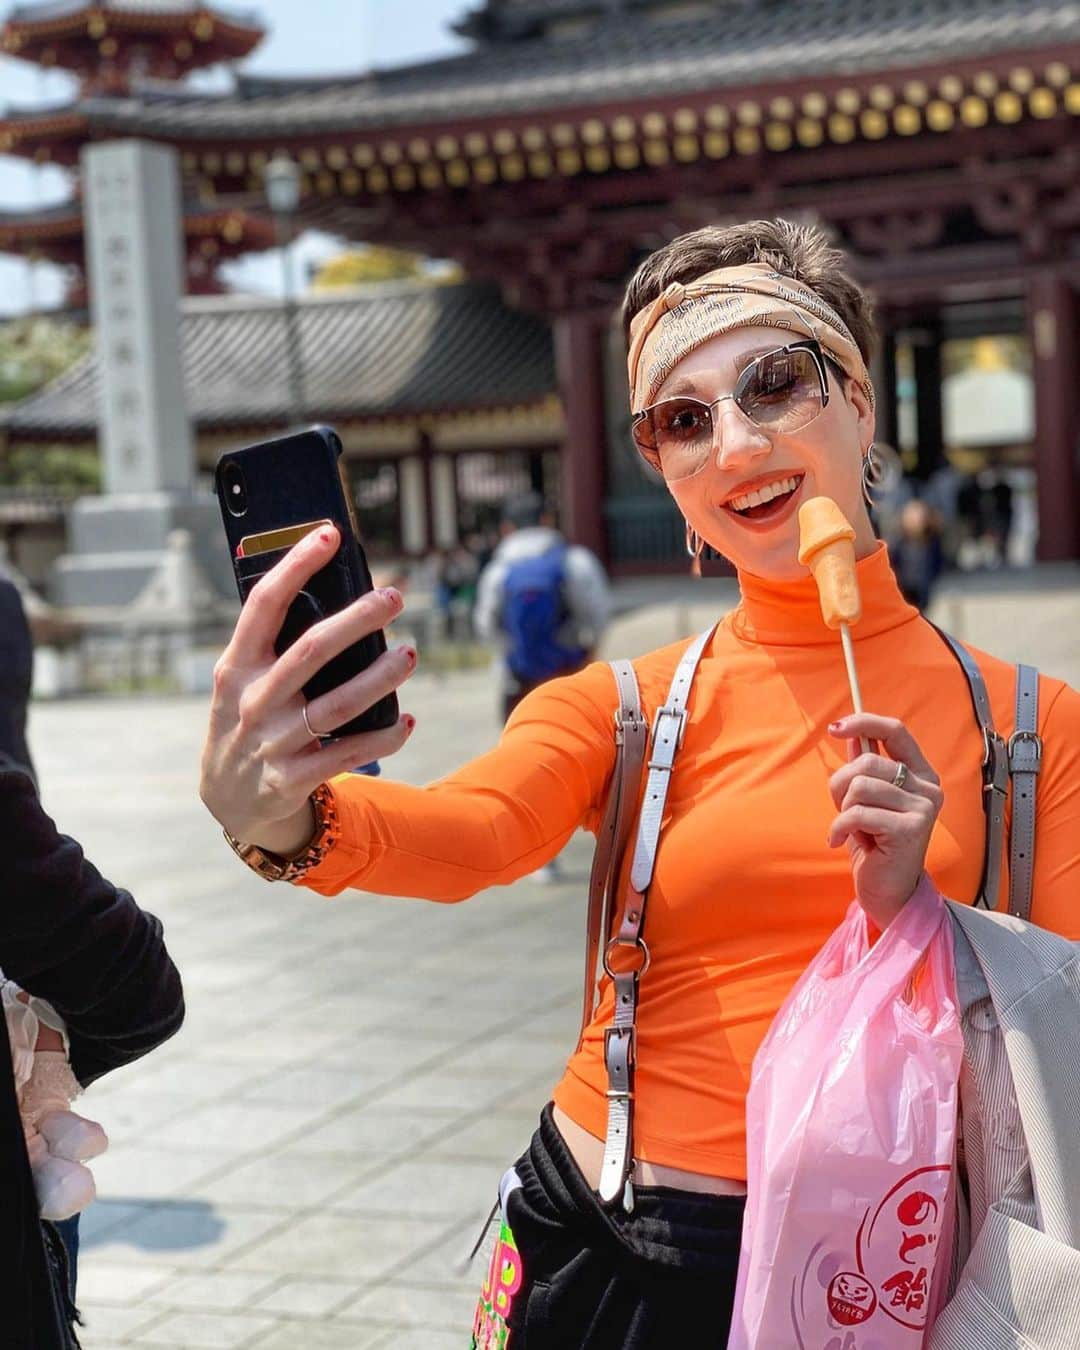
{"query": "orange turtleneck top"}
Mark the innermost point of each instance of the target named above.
(745, 889)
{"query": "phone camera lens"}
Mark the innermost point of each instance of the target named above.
(235, 489)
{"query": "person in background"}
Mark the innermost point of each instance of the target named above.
(916, 552)
(542, 602)
(16, 673)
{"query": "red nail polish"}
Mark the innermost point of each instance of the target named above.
(409, 721)
(391, 596)
(325, 536)
(410, 656)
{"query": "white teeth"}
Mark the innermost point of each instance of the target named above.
(764, 494)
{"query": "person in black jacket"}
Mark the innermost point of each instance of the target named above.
(75, 939)
(16, 672)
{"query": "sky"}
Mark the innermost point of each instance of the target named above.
(305, 37)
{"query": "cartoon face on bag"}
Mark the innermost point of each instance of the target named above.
(851, 1298)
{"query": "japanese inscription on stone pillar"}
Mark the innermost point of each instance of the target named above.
(132, 210)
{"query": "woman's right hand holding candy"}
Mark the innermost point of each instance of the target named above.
(260, 764)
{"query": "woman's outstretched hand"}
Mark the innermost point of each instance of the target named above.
(885, 824)
(259, 764)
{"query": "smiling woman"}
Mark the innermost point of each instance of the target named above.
(748, 369)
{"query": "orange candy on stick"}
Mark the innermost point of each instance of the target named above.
(827, 548)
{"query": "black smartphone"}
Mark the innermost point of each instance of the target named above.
(271, 495)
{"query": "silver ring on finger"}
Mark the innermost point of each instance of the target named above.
(315, 735)
(900, 777)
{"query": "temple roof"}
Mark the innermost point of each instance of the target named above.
(54, 11)
(388, 351)
(108, 43)
(631, 53)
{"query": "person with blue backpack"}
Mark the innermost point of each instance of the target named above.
(544, 602)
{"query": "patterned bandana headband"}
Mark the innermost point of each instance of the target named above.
(751, 296)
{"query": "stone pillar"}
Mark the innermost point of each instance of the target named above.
(930, 423)
(579, 343)
(444, 503)
(134, 250)
(1053, 327)
(414, 515)
(134, 253)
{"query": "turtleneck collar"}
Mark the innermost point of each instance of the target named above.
(788, 613)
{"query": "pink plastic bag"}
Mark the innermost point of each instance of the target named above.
(851, 1120)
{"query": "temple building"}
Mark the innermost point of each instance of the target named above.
(938, 142)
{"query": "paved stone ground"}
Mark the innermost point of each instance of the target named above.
(310, 1159)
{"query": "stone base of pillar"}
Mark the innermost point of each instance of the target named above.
(116, 544)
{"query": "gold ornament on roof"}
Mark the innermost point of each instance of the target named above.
(874, 124)
(974, 112)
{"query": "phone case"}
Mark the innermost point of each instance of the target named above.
(290, 481)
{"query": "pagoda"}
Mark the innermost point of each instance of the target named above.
(121, 53)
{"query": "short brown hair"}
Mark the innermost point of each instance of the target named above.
(800, 251)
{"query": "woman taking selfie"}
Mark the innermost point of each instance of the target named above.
(749, 348)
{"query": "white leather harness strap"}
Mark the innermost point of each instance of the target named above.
(1025, 761)
(619, 1038)
(631, 742)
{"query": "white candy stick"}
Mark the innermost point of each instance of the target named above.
(853, 679)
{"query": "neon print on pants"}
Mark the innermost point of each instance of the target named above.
(504, 1278)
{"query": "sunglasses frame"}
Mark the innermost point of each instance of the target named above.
(810, 345)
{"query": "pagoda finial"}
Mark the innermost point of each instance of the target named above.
(107, 44)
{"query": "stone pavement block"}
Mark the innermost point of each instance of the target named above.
(440, 1307)
(441, 1092)
(107, 1322)
(189, 1233)
(205, 1331)
(108, 1282)
(307, 1298)
(339, 1247)
(369, 1131)
(424, 1339)
(422, 1188)
(132, 1171)
(287, 1180)
(493, 1136)
(314, 1085)
(237, 1126)
(106, 1214)
(326, 1336)
(210, 1291)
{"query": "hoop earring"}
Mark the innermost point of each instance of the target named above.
(694, 542)
(874, 475)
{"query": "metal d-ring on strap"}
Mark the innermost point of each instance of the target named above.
(619, 1039)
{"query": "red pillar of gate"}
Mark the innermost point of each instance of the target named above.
(1053, 327)
(579, 338)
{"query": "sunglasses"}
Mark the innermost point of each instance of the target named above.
(779, 392)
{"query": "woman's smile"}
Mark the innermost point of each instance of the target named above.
(767, 500)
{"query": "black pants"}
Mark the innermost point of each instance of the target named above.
(591, 1278)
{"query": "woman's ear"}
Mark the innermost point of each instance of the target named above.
(864, 411)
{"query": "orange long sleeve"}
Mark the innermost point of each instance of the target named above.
(745, 889)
